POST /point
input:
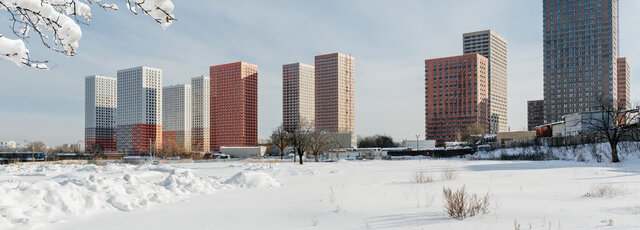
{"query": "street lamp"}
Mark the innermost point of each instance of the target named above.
(417, 141)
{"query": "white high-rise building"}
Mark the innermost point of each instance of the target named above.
(139, 110)
(298, 95)
(100, 114)
(200, 110)
(490, 45)
(176, 117)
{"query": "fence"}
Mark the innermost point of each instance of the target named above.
(435, 153)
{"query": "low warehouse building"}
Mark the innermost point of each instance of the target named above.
(244, 152)
(506, 138)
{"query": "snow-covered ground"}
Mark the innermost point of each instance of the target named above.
(338, 195)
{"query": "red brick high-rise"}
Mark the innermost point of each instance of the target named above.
(234, 105)
(457, 96)
(624, 86)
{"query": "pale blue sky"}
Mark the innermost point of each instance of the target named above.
(389, 39)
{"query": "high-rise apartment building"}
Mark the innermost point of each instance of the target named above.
(176, 117)
(535, 114)
(335, 94)
(580, 56)
(298, 95)
(234, 105)
(100, 114)
(456, 96)
(139, 119)
(624, 84)
(200, 109)
(493, 47)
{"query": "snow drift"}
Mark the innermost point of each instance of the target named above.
(253, 180)
(54, 193)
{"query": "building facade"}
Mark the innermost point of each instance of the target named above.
(298, 95)
(234, 105)
(580, 56)
(535, 114)
(493, 47)
(335, 94)
(176, 117)
(100, 114)
(456, 96)
(200, 109)
(624, 84)
(139, 114)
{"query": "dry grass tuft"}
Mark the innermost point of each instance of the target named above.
(421, 178)
(449, 174)
(460, 204)
(605, 190)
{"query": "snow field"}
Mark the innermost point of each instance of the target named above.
(338, 195)
(61, 192)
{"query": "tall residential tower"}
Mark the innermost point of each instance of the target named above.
(176, 117)
(234, 105)
(335, 95)
(535, 114)
(624, 84)
(139, 110)
(580, 56)
(298, 95)
(456, 96)
(493, 47)
(200, 109)
(100, 114)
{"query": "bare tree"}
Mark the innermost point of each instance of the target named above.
(320, 141)
(474, 133)
(66, 148)
(612, 124)
(172, 149)
(300, 139)
(37, 146)
(280, 138)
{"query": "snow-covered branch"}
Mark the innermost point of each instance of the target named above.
(56, 23)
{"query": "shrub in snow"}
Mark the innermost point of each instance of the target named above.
(449, 174)
(421, 178)
(55, 23)
(460, 204)
(605, 190)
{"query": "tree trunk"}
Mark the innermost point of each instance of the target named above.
(614, 151)
(316, 156)
(281, 155)
(300, 158)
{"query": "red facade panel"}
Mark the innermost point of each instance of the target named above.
(456, 98)
(146, 137)
(101, 145)
(234, 105)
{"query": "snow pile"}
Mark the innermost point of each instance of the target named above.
(81, 191)
(253, 180)
(600, 152)
(37, 195)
